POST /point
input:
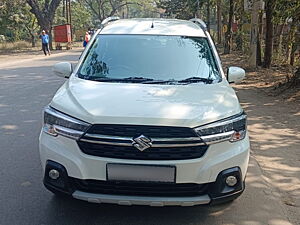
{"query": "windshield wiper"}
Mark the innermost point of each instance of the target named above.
(196, 80)
(122, 80)
(137, 79)
(104, 79)
(145, 80)
(159, 82)
(184, 81)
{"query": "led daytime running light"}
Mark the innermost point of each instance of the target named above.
(230, 129)
(57, 123)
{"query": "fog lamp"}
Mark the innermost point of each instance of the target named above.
(53, 174)
(231, 181)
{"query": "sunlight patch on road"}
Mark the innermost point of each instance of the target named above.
(9, 127)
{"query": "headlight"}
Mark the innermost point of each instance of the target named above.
(230, 129)
(57, 123)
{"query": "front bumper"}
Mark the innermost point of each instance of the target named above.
(135, 193)
(204, 170)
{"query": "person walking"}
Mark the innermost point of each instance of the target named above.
(87, 38)
(45, 43)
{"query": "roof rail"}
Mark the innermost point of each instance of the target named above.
(109, 19)
(199, 22)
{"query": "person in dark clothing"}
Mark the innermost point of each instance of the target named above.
(45, 43)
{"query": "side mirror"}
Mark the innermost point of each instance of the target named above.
(63, 69)
(235, 74)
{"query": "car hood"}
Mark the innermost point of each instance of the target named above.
(127, 103)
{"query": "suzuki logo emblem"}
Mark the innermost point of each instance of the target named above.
(141, 143)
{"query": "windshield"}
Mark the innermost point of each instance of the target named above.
(150, 58)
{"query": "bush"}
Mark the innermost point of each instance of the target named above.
(12, 46)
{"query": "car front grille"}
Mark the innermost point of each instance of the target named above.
(139, 188)
(167, 143)
(129, 152)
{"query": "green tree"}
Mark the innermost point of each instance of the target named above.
(287, 13)
(102, 9)
(16, 21)
(9, 19)
(81, 16)
(44, 11)
(140, 9)
(181, 9)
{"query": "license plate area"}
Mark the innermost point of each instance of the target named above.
(140, 173)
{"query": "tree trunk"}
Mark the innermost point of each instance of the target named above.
(295, 46)
(50, 38)
(32, 40)
(254, 33)
(219, 19)
(280, 39)
(258, 52)
(261, 27)
(294, 40)
(259, 40)
(290, 39)
(127, 11)
(208, 16)
(269, 34)
(64, 9)
(292, 57)
(70, 22)
(228, 33)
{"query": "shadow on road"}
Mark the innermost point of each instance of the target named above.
(274, 127)
(77, 212)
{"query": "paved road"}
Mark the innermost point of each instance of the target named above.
(26, 86)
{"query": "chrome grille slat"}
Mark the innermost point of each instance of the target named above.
(153, 145)
(156, 142)
(130, 138)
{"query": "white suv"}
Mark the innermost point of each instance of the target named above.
(147, 117)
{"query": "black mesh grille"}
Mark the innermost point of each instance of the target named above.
(129, 152)
(137, 130)
(139, 189)
(152, 153)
